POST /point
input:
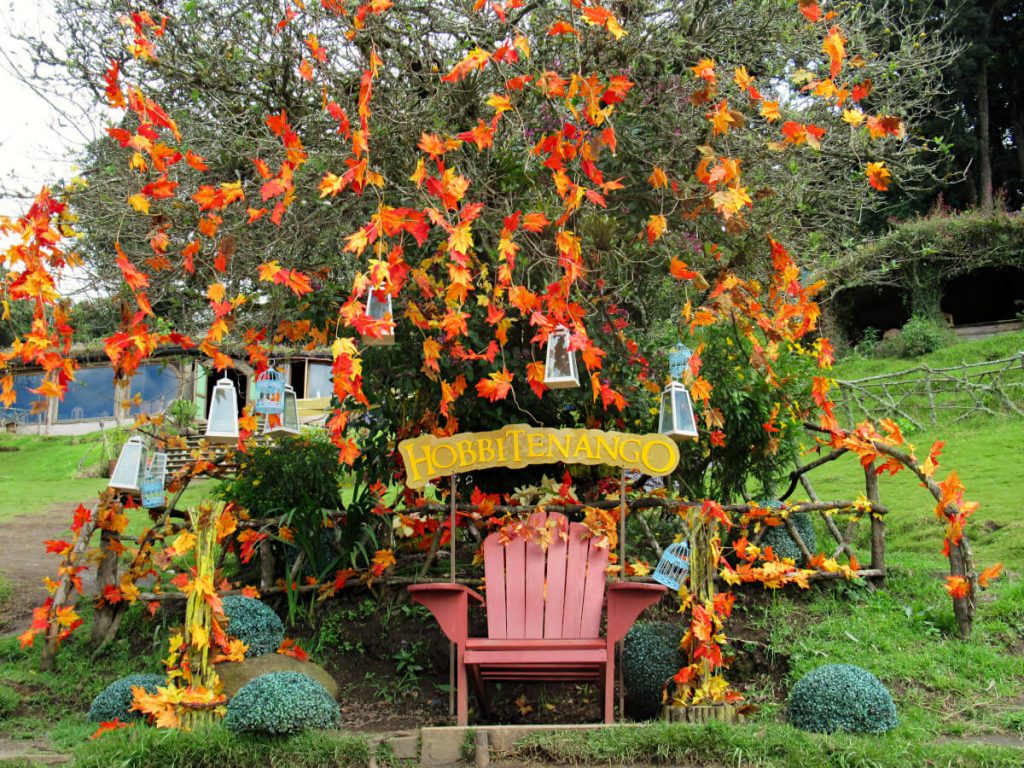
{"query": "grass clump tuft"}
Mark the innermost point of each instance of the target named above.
(841, 697)
(254, 623)
(115, 700)
(650, 657)
(10, 700)
(281, 702)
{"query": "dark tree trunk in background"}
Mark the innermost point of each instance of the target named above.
(984, 148)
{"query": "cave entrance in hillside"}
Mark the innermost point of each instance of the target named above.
(985, 295)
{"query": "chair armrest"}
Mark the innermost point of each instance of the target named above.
(626, 601)
(449, 603)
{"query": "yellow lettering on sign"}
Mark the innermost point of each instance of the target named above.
(427, 458)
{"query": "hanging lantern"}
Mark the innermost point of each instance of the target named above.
(560, 363)
(269, 391)
(127, 473)
(222, 422)
(289, 418)
(378, 308)
(153, 482)
(675, 418)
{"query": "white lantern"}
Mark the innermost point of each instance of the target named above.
(127, 474)
(289, 420)
(560, 364)
(675, 418)
(378, 308)
(222, 422)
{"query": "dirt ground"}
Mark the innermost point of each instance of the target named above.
(25, 563)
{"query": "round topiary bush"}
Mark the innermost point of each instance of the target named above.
(254, 623)
(841, 697)
(115, 700)
(782, 543)
(281, 702)
(650, 656)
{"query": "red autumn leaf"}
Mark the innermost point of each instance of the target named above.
(989, 574)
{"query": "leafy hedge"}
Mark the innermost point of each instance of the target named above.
(115, 700)
(841, 697)
(281, 702)
(254, 623)
(650, 656)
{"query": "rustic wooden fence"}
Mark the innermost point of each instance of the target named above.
(924, 396)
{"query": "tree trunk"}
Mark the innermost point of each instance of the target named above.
(984, 148)
(1017, 111)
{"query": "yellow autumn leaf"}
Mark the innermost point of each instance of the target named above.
(200, 636)
(184, 542)
(853, 116)
(139, 202)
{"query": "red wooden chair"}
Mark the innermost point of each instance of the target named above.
(543, 613)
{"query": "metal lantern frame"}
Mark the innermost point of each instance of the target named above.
(560, 371)
(128, 472)
(154, 478)
(675, 416)
(222, 419)
(289, 417)
(270, 386)
(377, 309)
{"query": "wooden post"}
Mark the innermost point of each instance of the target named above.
(106, 574)
(877, 521)
(64, 590)
(451, 571)
(622, 562)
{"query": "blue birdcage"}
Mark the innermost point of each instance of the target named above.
(673, 566)
(677, 360)
(270, 392)
(152, 485)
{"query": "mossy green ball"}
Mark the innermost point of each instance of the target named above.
(841, 697)
(650, 656)
(782, 543)
(281, 702)
(254, 623)
(115, 700)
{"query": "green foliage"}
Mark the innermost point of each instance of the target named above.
(922, 335)
(296, 473)
(783, 544)
(254, 623)
(281, 702)
(650, 656)
(217, 747)
(115, 700)
(182, 414)
(841, 697)
(9, 701)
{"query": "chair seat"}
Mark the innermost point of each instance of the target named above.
(575, 653)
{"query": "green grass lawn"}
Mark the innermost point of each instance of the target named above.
(43, 471)
(993, 348)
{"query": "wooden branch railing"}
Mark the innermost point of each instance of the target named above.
(925, 396)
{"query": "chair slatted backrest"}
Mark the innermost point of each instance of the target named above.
(557, 593)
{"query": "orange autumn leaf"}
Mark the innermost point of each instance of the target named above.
(496, 386)
(658, 179)
(957, 587)
(656, 226)
(835, 46)
(989, 574)
(878, 176)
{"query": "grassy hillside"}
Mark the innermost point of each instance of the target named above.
(993, 348)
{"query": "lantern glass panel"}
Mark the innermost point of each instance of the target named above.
(666, 422)
(222, 423)
(288, 422)
(683, 412)
(378, 308)
(128, 470)
(560, 362)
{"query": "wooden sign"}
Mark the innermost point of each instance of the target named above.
(518, 445)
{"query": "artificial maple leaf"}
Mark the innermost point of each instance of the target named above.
(496, 386)
(878, 176)
(656, 225)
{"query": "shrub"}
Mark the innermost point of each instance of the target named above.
(650, 656)
(9, 701)
(115, 700)
(281, 702)
(922, 335)
(841, 697)
(254, 623)
(783, 545)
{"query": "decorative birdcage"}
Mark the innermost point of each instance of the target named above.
(270, 391)
(673, 566)
(288, 422)
(560, 370)
(677, 360)
(378, 308)
(153, 480)
(675, 417)
(127, 474)
(222, 422)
